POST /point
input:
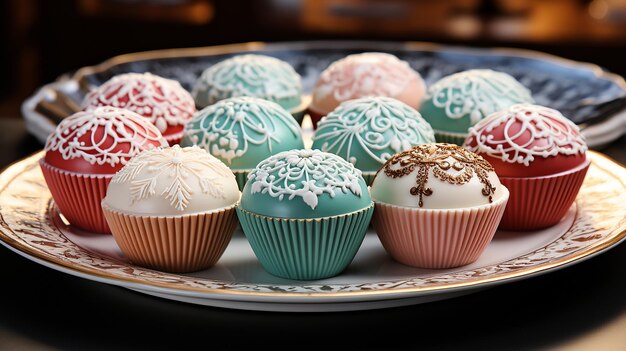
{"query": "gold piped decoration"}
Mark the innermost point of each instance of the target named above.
(459, 170)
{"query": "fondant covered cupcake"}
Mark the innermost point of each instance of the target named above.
(368, 131)
(437, 206)
(365, 74)
(305, 213)
(539, 155)
(172, 208)
(243, 131)
(164, 102)
(457, 102)
(83, 154)
(258, 76)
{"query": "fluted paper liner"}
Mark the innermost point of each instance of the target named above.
(450, 138)
(242, 177)
(433, 238)
(305, 249)
(78, 196)
(184, 243)
(541, 202)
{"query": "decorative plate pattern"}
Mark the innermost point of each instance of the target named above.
(26, 226)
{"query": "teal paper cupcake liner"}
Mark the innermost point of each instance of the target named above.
(242, 177)
(450, 138)
(369, 177)
(305, 249)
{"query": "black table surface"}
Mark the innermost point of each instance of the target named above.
(581, 307)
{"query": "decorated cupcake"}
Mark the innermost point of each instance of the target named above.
(539, 155)
(164, 102)
(368, 131)
(258, 76)
(457, 102)
(305, 213)
(363, 75)
(243, 131)
(437, 206)
(172, 209)
(83, 154)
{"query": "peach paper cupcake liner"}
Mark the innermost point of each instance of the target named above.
(437, 238)
(541, 202)
(177, 244)
(78, 196)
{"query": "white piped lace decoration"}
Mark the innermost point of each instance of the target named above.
(249, 75)
(477, 93)
(124, 134)
(163, 101)
(178, 165)
(227, 128)
(523, 125)
(365, 122)
(306, 174)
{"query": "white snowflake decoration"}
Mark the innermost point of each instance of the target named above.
(306, 174)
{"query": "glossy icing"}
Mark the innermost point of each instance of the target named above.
(517, 138)
(458, 101)
(368, 131)
(304, 184)
(249, 75)
(100, 141)
(242, 131)
(367, 74)
(172, 181)
(163, 101)
(436, 176)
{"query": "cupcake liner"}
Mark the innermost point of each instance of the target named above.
(305, 249)
(242, 177)
(184, 243)
(78, 196)
(435, 238)
(541, 202)
(450, 138)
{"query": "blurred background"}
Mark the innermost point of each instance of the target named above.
(40, 40)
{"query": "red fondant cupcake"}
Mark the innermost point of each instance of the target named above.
(83, 154)
(162, 101)
(539, 155)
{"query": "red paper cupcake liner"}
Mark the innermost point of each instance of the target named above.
(78, 196)
(185, 243)
(541, 202)
(443, 238)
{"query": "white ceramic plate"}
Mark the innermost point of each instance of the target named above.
(31, 226)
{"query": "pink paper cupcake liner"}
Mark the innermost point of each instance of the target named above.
(78, 196)
(541, 202)
(433, 238)
(185, 243)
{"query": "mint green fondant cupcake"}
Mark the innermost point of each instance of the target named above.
(259, 76)
(368, 131)
(243, 131)
(305, 213)
(458, 101)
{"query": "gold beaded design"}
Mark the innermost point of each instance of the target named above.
(436, 157)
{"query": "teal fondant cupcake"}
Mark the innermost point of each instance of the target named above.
(259, 76)
(368, 131)
(243, 131)
(305, 213)
(458, 101)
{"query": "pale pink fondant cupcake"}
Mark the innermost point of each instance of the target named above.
(437, 206)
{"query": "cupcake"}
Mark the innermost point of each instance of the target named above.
(162, 101)
(172, 209)
(539, 155)
(437, 206)
(365, 74)
(83, 154)
(243, 131)
(305, 213)
(368, 131)
(258, 76)
(457, 102)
